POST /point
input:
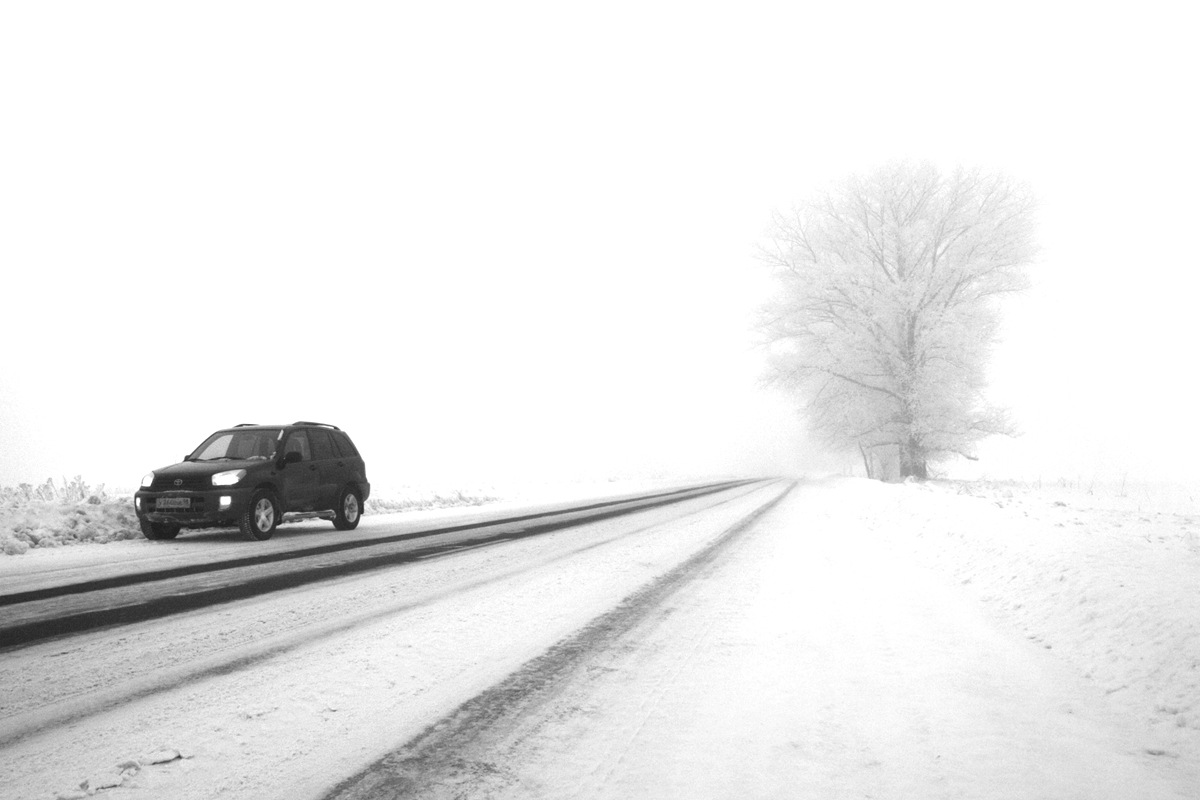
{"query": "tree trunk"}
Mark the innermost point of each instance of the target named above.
(912, 462)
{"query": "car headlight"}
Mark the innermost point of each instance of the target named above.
(148, 480)
(228, 478)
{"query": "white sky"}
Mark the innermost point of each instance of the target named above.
(506, 240)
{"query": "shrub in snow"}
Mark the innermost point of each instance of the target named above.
(50, 516)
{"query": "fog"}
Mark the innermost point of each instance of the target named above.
(515, 242)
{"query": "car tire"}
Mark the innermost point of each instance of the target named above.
(348, 510)
(158, 530)
(261, 517)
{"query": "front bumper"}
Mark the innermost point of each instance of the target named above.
(221, 505)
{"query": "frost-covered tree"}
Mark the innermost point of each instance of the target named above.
(886, 309)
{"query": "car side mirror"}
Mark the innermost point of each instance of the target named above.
(293, 458)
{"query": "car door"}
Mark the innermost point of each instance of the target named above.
(299, 480)
(330, 472)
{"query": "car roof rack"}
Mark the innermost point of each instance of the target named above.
(317, 424)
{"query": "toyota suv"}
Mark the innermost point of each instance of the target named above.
(249, 476)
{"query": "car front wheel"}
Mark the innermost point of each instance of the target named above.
(348, 510)
(260, 518)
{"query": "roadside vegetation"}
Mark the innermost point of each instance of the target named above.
(55, 514)
(72, 512)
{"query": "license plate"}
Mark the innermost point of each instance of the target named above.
(174, 502)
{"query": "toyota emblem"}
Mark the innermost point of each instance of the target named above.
(179, 481)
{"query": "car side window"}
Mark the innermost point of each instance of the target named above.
(322, 447)
(298, 443)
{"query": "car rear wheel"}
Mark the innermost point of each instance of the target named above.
(158, 530)
(260, 518)
(348, 510)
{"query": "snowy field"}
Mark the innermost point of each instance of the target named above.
(945, 640)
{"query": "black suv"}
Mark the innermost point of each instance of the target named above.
(250, 475)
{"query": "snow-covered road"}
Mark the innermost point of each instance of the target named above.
(287, 694)
(857, 640)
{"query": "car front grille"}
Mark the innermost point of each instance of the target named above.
(163, 483)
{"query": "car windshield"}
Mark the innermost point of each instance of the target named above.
(238, 445)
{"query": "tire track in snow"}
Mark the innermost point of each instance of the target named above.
(433, 758)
